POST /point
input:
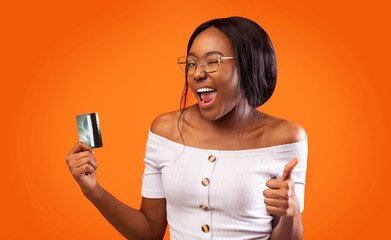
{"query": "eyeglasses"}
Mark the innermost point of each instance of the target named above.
(210, 63)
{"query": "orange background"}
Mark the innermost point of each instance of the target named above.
(118, 58)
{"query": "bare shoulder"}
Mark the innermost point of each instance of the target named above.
(165, 125)
(281, 131)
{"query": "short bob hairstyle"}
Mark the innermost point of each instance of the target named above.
(254, 54)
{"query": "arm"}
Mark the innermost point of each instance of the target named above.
(287, 227)
(147, 223)
(282, 202)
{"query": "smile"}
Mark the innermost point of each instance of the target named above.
(206, 96)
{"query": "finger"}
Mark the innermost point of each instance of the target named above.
(78, 156)
(276, 203)
(79, 146)
(288, 169)
(78, 172)
(90, 169)
(276, 194)
(71, 159)
(276, 211)
(86, 160)
(277, 184)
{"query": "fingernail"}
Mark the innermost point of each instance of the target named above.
(92, 152)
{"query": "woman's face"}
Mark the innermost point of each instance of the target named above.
(223, 82)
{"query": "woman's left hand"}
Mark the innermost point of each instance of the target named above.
(281, 199)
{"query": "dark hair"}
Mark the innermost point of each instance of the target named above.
(254, 55)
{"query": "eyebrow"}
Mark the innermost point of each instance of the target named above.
(208, 53)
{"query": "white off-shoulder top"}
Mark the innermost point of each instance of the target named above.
(213, 194)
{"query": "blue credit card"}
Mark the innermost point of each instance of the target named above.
(89, 129)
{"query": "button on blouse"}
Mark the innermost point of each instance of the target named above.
(217, 194)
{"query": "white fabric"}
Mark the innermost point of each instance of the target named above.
(234, 197)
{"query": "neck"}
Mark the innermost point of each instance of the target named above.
(237, 119)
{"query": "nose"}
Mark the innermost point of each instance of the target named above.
(199, 73)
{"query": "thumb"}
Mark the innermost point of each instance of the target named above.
(288, 169)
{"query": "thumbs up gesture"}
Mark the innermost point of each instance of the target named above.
(280, 198)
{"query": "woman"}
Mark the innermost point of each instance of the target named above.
(250, 186)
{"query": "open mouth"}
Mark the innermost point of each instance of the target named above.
(206, 95)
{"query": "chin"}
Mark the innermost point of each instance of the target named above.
(209, 115)
(214, 115)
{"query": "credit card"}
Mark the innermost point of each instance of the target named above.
(89, 129)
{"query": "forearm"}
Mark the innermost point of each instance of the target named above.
(288, 228)
(131, 223)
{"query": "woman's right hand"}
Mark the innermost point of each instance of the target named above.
(82, 164)
(147, 223)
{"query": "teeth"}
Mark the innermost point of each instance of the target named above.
(205, 90)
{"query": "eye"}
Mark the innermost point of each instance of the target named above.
(212, 61)
(190, 64)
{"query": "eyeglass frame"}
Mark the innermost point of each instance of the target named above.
(220, 57)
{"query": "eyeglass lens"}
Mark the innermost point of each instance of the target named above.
(209, 63)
